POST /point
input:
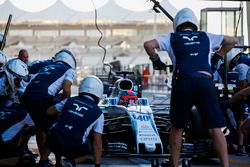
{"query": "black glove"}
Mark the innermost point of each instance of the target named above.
(158, 64)
(214, 60)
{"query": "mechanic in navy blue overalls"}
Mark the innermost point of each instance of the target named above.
(13, 117)
(240, 106)
(10, 78)
(77, 116)
(34, 68)
(240, 62)
(189, 51)
(40, 93)
(15, 130)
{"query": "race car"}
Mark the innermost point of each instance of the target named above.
(139, 127)
(133, 127)
(129, 122)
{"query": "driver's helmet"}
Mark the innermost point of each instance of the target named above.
(16, 70)
(127, 98)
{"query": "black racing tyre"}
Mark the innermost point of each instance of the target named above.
(185, 163)
(198, 130)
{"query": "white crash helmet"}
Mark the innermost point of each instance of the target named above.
(231, 54)
(67, 57)
(15, 68)
(93, 86)
(3, 58)
(183, 16)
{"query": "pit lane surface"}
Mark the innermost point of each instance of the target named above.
(139, 162)
(235, 161)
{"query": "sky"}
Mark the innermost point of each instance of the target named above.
(109, 9)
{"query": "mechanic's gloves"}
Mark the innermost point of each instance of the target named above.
(158, 64)
(215, 60)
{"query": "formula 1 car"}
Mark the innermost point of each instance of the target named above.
(133, 127)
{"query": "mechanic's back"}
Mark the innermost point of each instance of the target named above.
(77, 116)
(192, 83)
(40, 94)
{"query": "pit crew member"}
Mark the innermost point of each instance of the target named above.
(40, 93)
(189, 50)
(77, 117)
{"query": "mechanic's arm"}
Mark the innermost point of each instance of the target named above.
(66, 88)
(227, 44)
(51, 111)
(55, 110)
(97, 148)
(241, 85)
(241, 95)
(150, 47)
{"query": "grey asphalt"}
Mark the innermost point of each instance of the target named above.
(235, 161)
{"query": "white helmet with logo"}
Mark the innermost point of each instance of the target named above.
(16, 70)
(185, 15)
(93, 86)
(67, 57)
(231, 55)
(3, 58)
